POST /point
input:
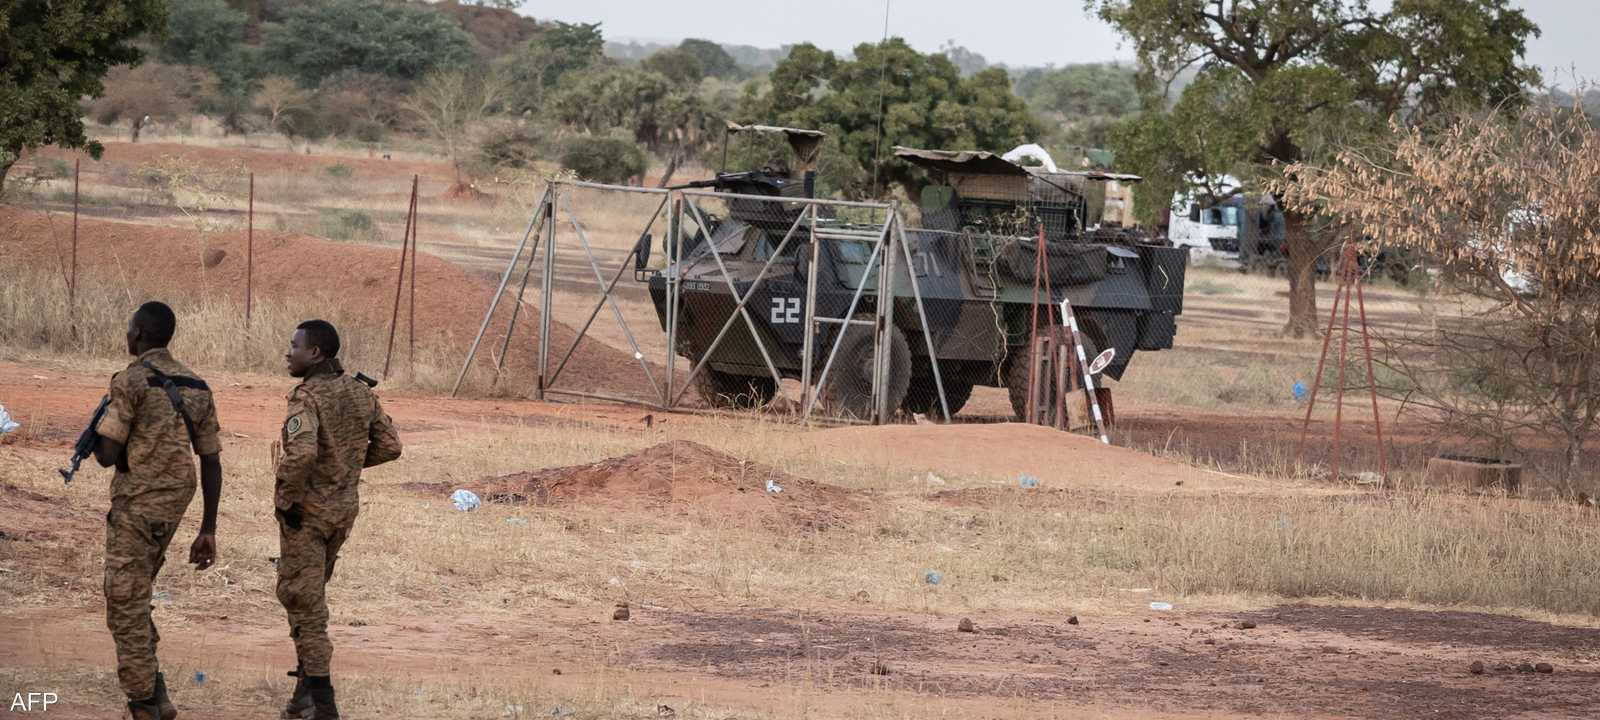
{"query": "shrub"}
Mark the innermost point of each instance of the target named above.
(345, 224)
(513, 147)
(603, 159)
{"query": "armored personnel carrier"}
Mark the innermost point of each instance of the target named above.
(974, 253)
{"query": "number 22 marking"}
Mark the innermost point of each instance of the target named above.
(785, 310)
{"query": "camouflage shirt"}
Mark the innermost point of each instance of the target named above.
(335, 427)
(159, 480)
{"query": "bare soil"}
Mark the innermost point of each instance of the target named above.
(1304, 661)
(680, 476)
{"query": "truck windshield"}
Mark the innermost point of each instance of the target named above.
(1224, 216)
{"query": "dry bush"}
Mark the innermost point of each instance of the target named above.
(1509, 210)
(162, 92)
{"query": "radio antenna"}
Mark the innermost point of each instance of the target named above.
(883, 75)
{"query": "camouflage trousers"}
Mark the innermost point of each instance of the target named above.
(136, 547)
(305, 564)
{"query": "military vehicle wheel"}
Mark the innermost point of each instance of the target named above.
(735, 392)
(849, 389)
(922, 398)
(1016, 368)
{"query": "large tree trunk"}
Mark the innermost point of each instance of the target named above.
(1303, 248)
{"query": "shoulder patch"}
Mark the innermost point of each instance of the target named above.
(292, 425)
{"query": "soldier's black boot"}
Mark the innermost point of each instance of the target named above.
(321, 689)
(300, 705)
(144, 709)
(163, 703)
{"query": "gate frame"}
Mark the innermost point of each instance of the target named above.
(889, 235)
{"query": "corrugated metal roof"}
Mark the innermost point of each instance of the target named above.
(987, 163)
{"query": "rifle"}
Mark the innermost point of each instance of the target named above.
(86, 441)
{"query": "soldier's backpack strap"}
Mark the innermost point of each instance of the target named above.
(170, 384)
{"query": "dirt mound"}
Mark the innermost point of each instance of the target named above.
(1009, 450)
(360, 278)
(683, 475)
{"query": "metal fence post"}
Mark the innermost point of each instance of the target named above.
(72, 284)
(672, 251)
(808, 341)
(250, 253)
(546, 286)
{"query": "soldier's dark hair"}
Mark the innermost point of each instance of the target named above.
(156, 323)
(321, 334)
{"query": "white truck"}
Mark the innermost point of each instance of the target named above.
(1209, 228)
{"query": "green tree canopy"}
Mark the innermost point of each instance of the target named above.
(1287, 82)
(208, 34)
(925, 102)
(678, 65)
(655, 111)
(538, 66)
(714, 60)
(603, 159)
(54, 52)
(398, 40)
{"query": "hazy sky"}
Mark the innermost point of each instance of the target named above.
(1038, 32)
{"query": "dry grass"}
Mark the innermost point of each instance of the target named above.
(212, 335)
(1003, 550)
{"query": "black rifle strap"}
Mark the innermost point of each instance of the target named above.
(170, 384)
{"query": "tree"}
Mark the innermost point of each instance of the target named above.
(603, 159)
(678, 65)
(277, 99)
(1510, 211)
(450, 105)
(207, 34)
(540, 63)
(923, 98)
(1290, 81)
(56, 52)
(966, 61)
(714, 60)
(664, 116)
(400, 40)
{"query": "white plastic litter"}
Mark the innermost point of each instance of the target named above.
(1031, 150)
(1160, 606)
(6, 423)
(935, 480)
(465, 500)
(773, 487)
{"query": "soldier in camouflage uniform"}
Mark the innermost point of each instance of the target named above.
(157, 416)
(335, 428)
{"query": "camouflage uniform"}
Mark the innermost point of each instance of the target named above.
(335, 428)
(149, 494)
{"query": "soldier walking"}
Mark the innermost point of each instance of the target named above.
(334, 428)
(157, 413)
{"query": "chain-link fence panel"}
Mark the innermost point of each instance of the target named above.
(606, 336)
(776, 303)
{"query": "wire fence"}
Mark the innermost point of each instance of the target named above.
(754, 296)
